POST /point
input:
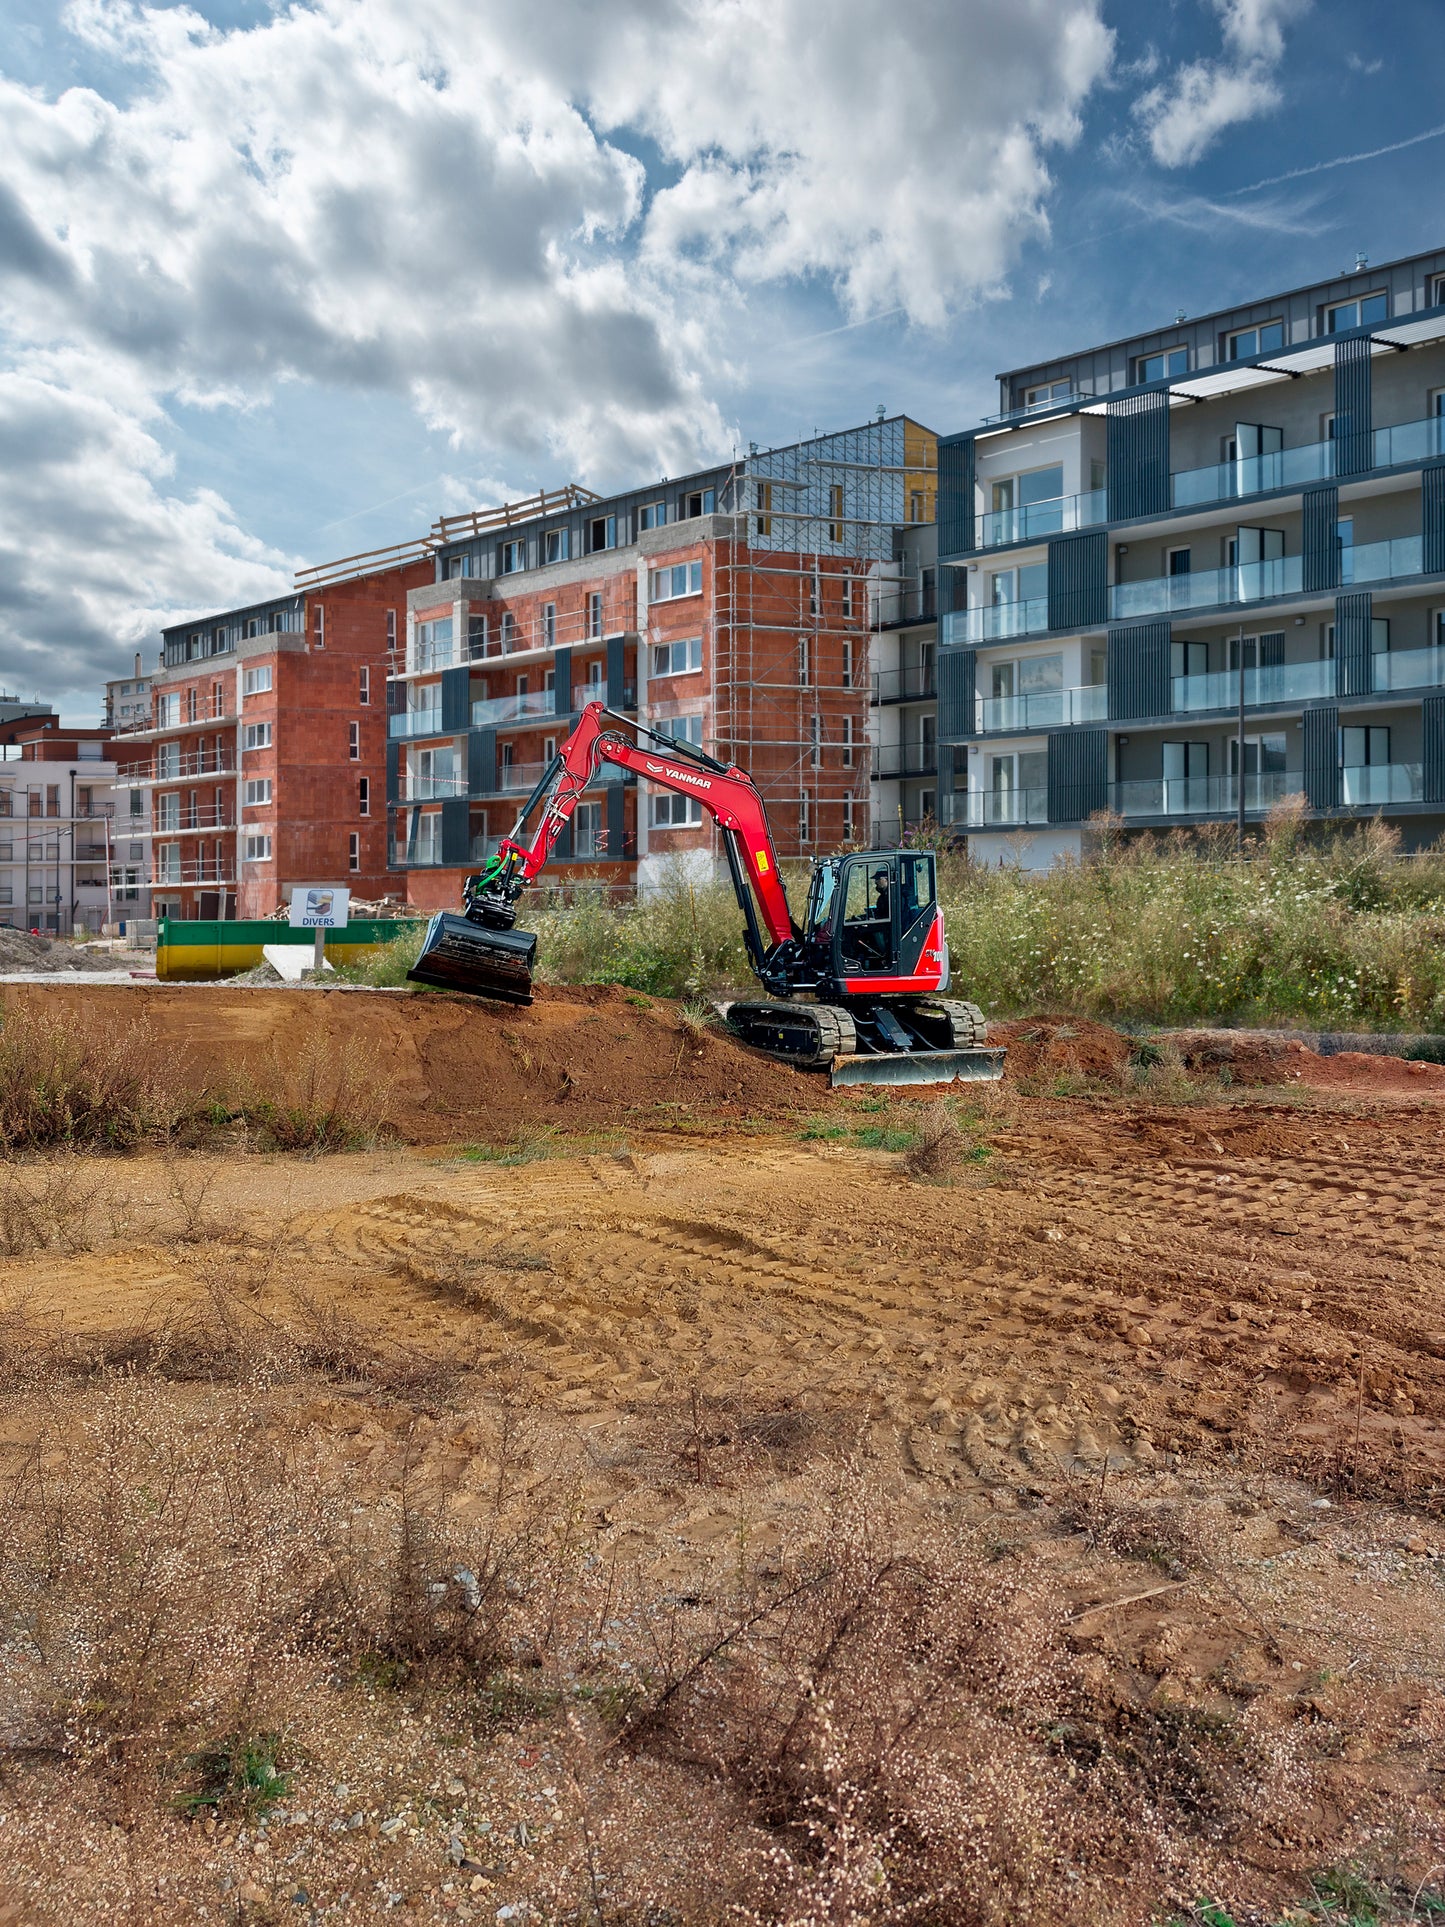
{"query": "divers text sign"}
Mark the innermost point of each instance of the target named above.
(319, 907)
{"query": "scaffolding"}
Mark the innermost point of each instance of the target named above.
(798, 584)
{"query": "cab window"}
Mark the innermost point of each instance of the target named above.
(915, 880)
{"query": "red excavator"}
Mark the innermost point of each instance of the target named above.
(855, 989)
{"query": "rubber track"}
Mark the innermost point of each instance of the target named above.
(832, 1028)
(967, 1024)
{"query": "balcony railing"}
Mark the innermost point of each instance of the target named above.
(1285, 682)
(428, 789)
(905, 685)
(1202, 795)
(997, 621)
(1034, 521)
(529, 630)
(1208, 588)
(176, 769)
(905, 759)
(1407, 669)
(893, 607)
(1382, 561)
(1379, 783)
(191, 873)
(414, 722)
(161, 722)
(993, 809)
(192, 822)
(491, 710)
(1253, 475)
(1045, 709)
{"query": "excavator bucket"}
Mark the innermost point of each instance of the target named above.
(978, 1066)
(461, 955)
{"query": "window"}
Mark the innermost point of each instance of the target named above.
(848, 596)
(682, 729)
(557, 545)
(477, 644)
(363, 796)
(915, 505)
(1345, 547)
(363, 685)
(168, 710)
(255, 791)
(514, 557)
(835, 512)
(677, 658)
(805, 816)
(1437, 291)
(1266, 339)
(594, 678)
(33, 894)
(1045, 392)
(256, 736)
(675, 812)
(602, 533)
(815, 741)
(847, 662)
(549, 624)
(702, 501)
(815, 590)
(1167, 364)
(1185, 659)
(587, 838)
(458, 565)
(848, 820)
(353, 741)
(434, 643)
(191, 705)
(594, 615)
(523, 685)
(765, 508)
(168, 812)
(1180, 561)
(1364, 748)
(320, 627)
(255, 682)
(353, 852)
(666, 585)
(509, 630)
(848, 742)
(652, 515)
(1357, 314)
(391, 628)
(803, 662)
(254, 849)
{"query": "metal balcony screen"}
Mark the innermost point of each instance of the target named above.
(955, 498)
(1354, 442)
(1321, 539)
(1353, 661)
(1137, 439)
(1078, 774)
(1139, 671)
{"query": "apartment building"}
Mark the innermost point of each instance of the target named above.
(1246, 508)
(261, 762)
(128, 699)
(57, 828)
(903, 726)
(728, 609)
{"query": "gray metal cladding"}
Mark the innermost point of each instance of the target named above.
(393, 771)
(1432, 720)
(456, 698)
(1352, 644)
(456, 830)
(1137, 433)
(562, 688)
(1432, 512)
(616, 672)
(1139, 680)
(1079, 581)
(617, 819)
(1078, 774)
(1321, 539)
(956, 475)
(481, 761)
(1320, 730)
(1354, 437)
(957, 682)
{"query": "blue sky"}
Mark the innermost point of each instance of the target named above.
(279, 284)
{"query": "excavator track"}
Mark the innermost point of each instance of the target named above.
(808, 1035)
(949, 1023)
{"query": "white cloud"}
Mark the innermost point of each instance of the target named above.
(1186, 114)
(435, 199)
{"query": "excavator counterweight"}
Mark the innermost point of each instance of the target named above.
(855, 989)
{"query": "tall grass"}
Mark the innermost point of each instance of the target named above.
(1336, 932)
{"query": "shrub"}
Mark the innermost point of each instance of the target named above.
(67, 1079)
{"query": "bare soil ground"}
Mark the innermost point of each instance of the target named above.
(1152, 1380)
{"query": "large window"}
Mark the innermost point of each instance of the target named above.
(666, 585)
(1167, 363)
(255, 682)
(256, 791)
(513, 557)
(1266, 339)
(254, 849)
(1045, 392)
(682, 729)
(256, 736)
(434, 643)
(1357, 314)
(587, 838)
(671, 812)
(677, 658)
(602, 533)
(557, 545)
(652, 515)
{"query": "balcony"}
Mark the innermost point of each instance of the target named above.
(905, 685)
(997, 621)
(201, 716)
(1202, 795)
(1382, 561)
(905, 759)
(184, 821)
(429, 789)
(1285, 682)
(176, 769)
(1045, 709)
(1035, 521)
(1407, 669)
(1208, 588)
(1380, 783)
(538, 704)
(414, 722)
(993, 809)
(529, 631)
(896, 608)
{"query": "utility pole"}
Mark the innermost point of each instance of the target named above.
(1239, 751)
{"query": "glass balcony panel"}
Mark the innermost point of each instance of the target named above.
(997, 622)
(1049, 709)
(1381, 783)
(1408, 669)
(1255, 475)
(490, 710)
(1283, 682)
(995, 809)
(1033, 521)
(1202, 795)
(415, 722)
(904, 685)
(1418, 441)
(1209, 588)
(1380, 561)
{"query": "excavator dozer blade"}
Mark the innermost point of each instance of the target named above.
(461, 955)
(919, 1067)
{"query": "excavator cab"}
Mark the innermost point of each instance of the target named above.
(872, 915)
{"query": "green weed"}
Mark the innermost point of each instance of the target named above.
(240, 1776)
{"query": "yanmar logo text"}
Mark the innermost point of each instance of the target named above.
(679, 775)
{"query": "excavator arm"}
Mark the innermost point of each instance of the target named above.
(483, 951)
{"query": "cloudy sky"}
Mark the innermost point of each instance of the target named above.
(283, 282)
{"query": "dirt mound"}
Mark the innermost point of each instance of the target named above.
(1061, 1046)
(21, 951)
(1259, 1058)
(459, 1067)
